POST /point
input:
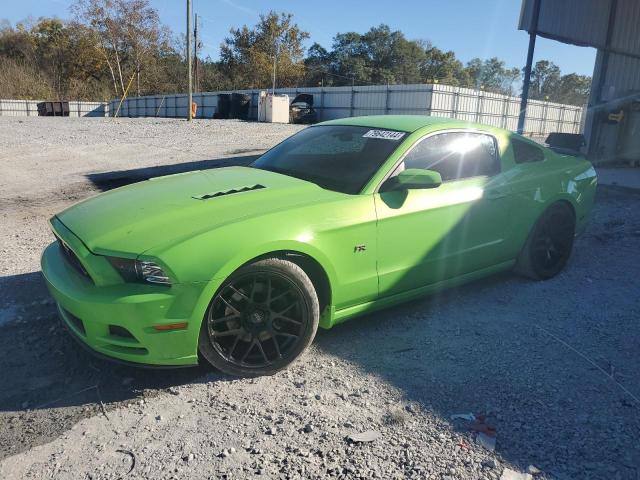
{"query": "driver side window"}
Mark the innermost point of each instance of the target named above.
(455, 155)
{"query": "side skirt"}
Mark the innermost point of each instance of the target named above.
(339, 316)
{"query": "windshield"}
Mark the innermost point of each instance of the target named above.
(336, 157)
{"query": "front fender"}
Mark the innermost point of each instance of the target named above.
(249, 255)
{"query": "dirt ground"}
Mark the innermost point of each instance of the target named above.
(553, 366)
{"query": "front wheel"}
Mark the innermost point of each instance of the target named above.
(549, 245)
(261, 319)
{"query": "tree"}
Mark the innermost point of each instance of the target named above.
(129, 37)
(317, 65)
(379, 56)
(62, 54)
(443, 67)
(350, 61)
(574, 89)
(548, 83)
(22, 80)
(111, 42)
(545, 80)
(102, 17)
(248, 55)
(492, 75)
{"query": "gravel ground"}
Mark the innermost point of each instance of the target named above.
(553, 366)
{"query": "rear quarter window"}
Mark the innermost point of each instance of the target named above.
(526, 153)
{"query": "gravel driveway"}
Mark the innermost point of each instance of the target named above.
(553, 367)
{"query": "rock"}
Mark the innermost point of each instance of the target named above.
(225, 453)
(232, 450)
(308, 428)
(489, 463)
(533, 470)
(159, 418)
(188, 458)
(364, 437)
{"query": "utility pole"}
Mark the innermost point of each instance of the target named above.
(195, 55)
(275, 59)
(527, 69)
(189, 65)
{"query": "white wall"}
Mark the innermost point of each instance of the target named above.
(420, 99)
(29, 108)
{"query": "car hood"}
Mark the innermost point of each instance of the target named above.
(304, 98)
(140, 216)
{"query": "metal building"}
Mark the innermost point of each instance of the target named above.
(612, 127)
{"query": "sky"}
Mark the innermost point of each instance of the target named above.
(471, 28)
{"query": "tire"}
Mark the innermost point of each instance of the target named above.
(549, 244)
(262, 318)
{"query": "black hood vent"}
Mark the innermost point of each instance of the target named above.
(206, 196)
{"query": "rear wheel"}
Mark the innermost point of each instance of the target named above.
(549, 244)
(261, 319)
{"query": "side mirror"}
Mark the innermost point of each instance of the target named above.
(412, 178)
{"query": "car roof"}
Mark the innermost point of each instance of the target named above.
(407, 123)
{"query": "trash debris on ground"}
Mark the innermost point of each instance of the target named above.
(508, 474)
(483, 426)
(533, 470)
(364, 437)
(487, 441)
(464, 416)
(133, 459)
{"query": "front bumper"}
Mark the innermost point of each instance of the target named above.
(117, 320)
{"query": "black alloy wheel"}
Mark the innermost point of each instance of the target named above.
(261, 319)
(550, 243)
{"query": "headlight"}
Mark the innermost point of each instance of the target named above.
(139, 271)
(151, 272)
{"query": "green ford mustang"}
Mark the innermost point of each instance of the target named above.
(240, 265)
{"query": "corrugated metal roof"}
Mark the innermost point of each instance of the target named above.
(581, 22)
(626, 32)
(585, 22)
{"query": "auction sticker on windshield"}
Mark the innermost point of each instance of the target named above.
(384, 134)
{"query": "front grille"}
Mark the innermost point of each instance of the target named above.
(72, 259)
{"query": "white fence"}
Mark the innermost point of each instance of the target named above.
(29, 108)
(420, 99)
